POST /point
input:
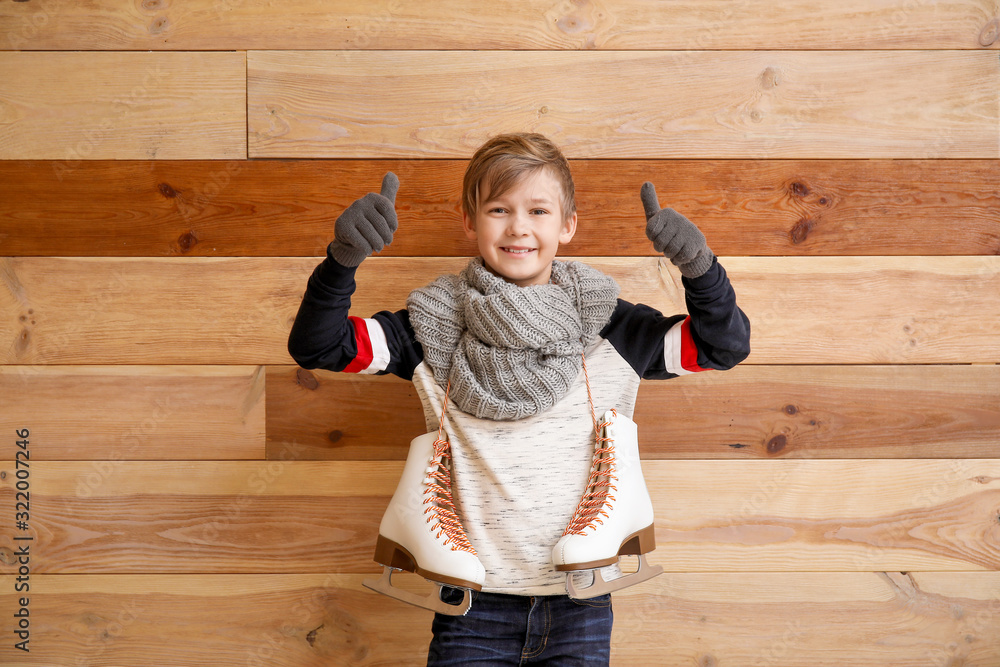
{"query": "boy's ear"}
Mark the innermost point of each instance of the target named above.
(568, 229)
(468, 226)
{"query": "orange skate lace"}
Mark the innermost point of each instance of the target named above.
(438, 492)
(598, 496)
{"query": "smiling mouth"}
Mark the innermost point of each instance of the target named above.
(518, 251)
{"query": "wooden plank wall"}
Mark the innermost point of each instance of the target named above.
(170, 174)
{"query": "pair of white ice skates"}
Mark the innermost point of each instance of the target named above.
(421, 532)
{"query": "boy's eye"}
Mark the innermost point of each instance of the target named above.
(539, 211)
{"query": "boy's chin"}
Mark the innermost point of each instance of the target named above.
(517, 279)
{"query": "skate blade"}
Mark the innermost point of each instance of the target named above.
(601, 587)
(433, 601)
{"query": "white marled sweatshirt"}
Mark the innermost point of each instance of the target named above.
(517, 483)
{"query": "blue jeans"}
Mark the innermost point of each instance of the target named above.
(521, 630)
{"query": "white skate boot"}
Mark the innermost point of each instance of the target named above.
(421, 532)
(614, 517)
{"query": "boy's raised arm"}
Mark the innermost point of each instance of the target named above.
(714, 335)
(323, 335)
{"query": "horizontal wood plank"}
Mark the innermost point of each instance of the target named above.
(524, 24)
(621, 104)
(75, 106)
(303, 516)
(675, 620)
(161, 208)
(136, 412)
(749, 411)
(239, 310)
(176, 412)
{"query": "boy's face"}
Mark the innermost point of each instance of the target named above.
(519, 232)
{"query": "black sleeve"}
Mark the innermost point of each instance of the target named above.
(325, 336)
(715, 335)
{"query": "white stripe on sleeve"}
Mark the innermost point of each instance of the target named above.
(672, 350)
(380, 348)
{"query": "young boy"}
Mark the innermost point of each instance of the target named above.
(506, 337)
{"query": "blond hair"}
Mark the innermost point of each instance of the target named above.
(505, 159)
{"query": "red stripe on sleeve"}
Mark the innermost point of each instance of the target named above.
(689, 353)
(364, 357)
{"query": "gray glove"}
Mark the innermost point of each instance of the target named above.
(675, 236)
(367, 225)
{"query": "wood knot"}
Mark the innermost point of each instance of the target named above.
(159, 25)
(335, 435)
(776, 444)
(799, 189)
(769, 78)
(573, 23)
(990, 33)
(22, 343)
(306, 380)
(790, 409)
(311, 635)
(186, 241)
(800, 231)
(166, 190)
(7, 556)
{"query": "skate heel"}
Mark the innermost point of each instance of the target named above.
(392, 555)
(638, 543)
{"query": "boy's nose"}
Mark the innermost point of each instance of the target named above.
(519, 225)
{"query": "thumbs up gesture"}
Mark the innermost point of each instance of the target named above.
(675, 236)
(367, 225)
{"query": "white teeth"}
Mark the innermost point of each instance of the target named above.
(517, 252)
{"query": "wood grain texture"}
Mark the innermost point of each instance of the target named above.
(287, 208)
(862, 412)
(524, 24)
(704, 104)
(869, 619)
(879, 310)
(136, 412)
(319, 415)
(309, 517)
(75, 106)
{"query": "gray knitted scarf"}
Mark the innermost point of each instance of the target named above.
(510, 351)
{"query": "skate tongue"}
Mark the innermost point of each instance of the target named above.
(597, 498)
